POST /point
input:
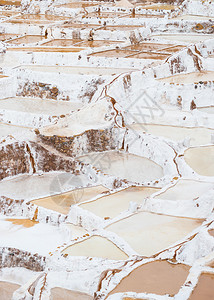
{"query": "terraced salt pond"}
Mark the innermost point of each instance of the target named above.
(96, 246)
(62, 203)
(79, 43)
(112, 205)
(193, 17)
(197, 135)
(30, 238)
(188, 38)
(60, 293)
(204, 288)
(157, 277)
(124, 165)
(201, 160)
(186, 190)
(49, 184)
(194, 77)
(6, 129)
(207, 110)
(7, 289)
(76, 70)
(27, 39)
(150, 233)
(39, 106)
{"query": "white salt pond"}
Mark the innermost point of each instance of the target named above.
(149, 233)
(49, 184)
(193, 17)
(112, 205)
(201, 160)
(39, 106)
(76, 70)
(6, 129)
(39, 238)
(124, 165)
(193, 77)
(189, 38)
(62, 203)
(197, 135)
(207, 110)
(186, 190)
(96, 246)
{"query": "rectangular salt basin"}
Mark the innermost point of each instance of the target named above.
(112, 205)
(186, 190)
(157, 277)
(6, 129)
(197, 135)
(193, 17)
(96, 246)
(39, 106)
(124, 165)
(27, 39)
(194, 77)
(77, 70)
(37, 19)
(49, 184)
(150, 233)
(45, 49)
(79, 43)
(62, 202)
(189, 38)
(61, 293)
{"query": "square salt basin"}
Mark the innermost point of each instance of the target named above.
(149, 233)
(62, 203)
(157, 277)
(112, 205)
(96, 246)
(201, 160)
(124, 165)
(61, 293)
(197, 135)
(186, 190)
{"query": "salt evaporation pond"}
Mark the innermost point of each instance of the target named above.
(110, 206)
(186, 190)
(62, 202)
(157, 277)
(201, 160)
(124, 165)
(149, 233)
(61, 293)
(204, 289)
(197, 135)
(96, 246)
(7, 289)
